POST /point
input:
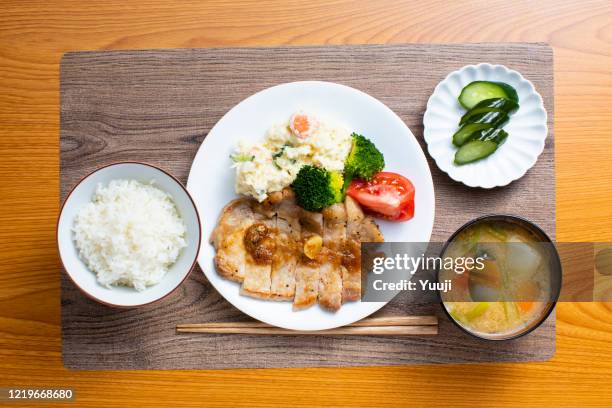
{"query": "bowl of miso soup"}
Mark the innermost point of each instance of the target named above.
(508, 279)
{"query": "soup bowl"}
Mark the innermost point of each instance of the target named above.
(552, 283)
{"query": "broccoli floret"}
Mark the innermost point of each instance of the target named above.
(364, 160)
(316, 188)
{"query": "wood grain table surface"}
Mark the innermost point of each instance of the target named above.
(35, 34)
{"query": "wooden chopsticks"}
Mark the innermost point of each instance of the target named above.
(374, 326)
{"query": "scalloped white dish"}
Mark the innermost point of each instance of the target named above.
(527, 128)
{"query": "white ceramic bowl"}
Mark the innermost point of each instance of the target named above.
(526, 128)
(211, 181)
(84, 278)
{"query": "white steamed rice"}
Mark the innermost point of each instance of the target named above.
(130, 234)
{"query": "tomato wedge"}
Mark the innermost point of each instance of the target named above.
(388, 195)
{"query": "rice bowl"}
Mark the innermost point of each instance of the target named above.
(77, 269)
(129, 234)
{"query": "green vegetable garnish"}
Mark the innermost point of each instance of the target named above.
(477, 311)
(241, 157)
(279, 154)
(506, 314)
(316, 188)
(281, 151)
(497, 232)
(364, 160)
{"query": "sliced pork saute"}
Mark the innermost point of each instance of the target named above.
(279, 251)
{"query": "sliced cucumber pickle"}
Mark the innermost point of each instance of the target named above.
(468, 131)
(475, 114)
(488, 105)
(496, 135)
(474, 150)
(478, 91)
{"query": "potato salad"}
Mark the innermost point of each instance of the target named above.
(271, 165)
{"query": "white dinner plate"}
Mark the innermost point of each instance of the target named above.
(211, 181)
(526, 128)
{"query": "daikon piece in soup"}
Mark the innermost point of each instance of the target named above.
(508, 288)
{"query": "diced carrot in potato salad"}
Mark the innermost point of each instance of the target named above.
(302, 125)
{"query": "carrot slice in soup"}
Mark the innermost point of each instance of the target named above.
(525, 307)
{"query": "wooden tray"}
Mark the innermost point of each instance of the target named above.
(157, 106)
